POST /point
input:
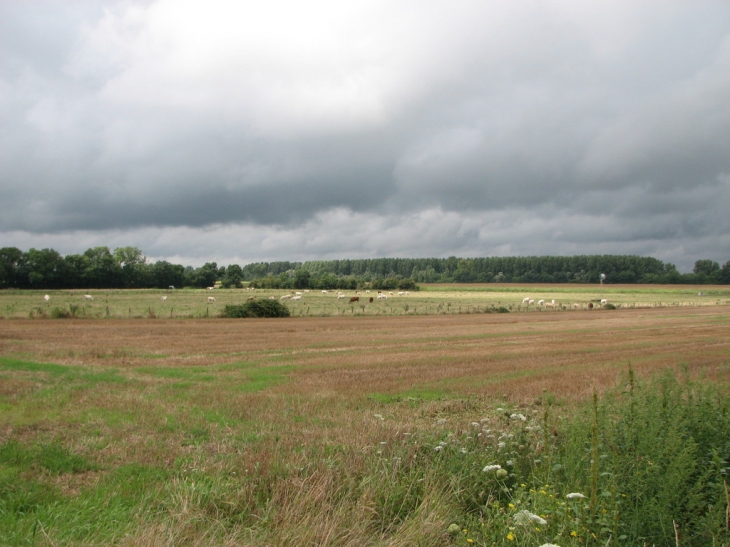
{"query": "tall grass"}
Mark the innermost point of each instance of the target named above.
(644, 464)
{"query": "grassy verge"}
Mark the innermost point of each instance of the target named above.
(228, 461)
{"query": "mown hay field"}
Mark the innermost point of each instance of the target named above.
(285, 431)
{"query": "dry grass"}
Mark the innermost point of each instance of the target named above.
(513, 355)
(299, 408)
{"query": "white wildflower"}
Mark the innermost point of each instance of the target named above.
(501, 445)
(476, 424)
(489, 468)
(524, 517)
(520, 417)
(549, 545)
(439, 448)
(441, 421)
(379, 417)
(575, 496)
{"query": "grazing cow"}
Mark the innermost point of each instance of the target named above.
(354, 299)
(297, 297)
(171, 287)
(163, 298)
(284, 296)
(250, 297)
(46, 298)
(88, 297)
(209, 288)
(371, 299)
(211, 299)
(340, 296)
(590, 305)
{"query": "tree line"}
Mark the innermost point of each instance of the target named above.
(127, 267)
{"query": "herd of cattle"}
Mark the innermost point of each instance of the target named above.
(296, 296)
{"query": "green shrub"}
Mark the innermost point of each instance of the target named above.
(60, 313)
(257, 308)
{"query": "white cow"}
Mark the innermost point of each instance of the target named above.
(88, 297)
(46, 298)
(211, 299)
(163, 298)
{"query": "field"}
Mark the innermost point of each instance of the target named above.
(431, 299)
(362, 427)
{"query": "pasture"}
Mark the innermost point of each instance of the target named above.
(430, 300)
(352, 427)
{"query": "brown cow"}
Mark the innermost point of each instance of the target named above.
(371, 299)
(354, 299)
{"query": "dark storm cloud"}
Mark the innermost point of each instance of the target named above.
(395, 129)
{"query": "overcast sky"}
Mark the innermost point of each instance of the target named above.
(245, 131)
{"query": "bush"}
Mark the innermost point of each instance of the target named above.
(257, 308)
(60, 313)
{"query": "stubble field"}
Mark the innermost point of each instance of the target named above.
(285, 431)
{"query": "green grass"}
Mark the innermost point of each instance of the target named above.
(171, 458)
(431, 299)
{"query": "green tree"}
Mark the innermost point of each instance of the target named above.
(301, 279)
(164, 275)
(102, 270)
(43, 269)
(233, 277)
(9, 259)
(132, 265)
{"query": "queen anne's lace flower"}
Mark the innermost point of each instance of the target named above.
(525, 517)
(494, 467)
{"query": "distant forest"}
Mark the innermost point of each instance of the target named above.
(127, 267)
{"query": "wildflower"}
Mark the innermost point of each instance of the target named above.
(520, 417)
(574, 534)
(469, 540)
(501, 445)
(575, 496)
(501, 473)
(489, 468)
(549, 545)
(379, 417)
(453, 529)
(510, 536)
(525, 517)
(441, 421)
(439, 448)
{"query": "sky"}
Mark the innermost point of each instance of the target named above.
(237, 131)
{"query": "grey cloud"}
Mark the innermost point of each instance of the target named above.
(529, 127)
